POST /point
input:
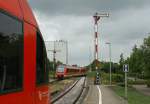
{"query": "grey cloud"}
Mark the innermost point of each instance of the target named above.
(127, 25)
(83, 7)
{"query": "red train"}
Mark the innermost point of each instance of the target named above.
(63, 71)
(23, 71)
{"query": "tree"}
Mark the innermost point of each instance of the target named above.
(136, 61)
(139, 60)
(121, 62)
(146, 56)
(105, 66)
(50, 65)
(94, 64)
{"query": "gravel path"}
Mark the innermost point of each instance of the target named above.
(143, 89)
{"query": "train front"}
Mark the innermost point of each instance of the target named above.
(60, 71)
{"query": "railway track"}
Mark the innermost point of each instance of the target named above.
(72, 94)
(57, 80)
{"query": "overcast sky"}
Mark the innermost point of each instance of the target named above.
(72, 20)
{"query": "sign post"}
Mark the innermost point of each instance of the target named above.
(126, 70)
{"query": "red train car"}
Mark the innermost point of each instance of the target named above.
(63, 71)
(23, 71)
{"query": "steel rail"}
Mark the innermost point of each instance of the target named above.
(68, 90)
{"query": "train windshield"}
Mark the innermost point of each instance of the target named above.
(60, 68)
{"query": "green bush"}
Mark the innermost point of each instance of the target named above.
(148, 83)
(91, 74)
(121, 84)
(117, 78)
(137, 82)
(51, 74)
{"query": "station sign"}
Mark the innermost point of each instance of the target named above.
(126, 68)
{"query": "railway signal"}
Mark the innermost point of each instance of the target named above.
(54, 55)
(126, 70)
(97, 17)
(97, 79)
(57, 42)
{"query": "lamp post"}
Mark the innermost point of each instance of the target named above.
(90, 61)
(109, 61)
(67, 52)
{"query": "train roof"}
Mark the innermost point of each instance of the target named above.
(70, 67)
(19, 9)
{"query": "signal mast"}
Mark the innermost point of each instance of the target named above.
(97, 17)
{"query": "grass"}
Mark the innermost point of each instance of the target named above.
(60, 86)
(134, 97)
(91, 74)
(104, 77)
(51, 74)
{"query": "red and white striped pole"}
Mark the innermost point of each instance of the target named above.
(96, 18)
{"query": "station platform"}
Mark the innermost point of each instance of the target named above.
(101, 94)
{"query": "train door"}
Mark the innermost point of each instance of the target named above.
(42, 89)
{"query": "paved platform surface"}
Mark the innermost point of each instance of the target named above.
(92, 96)
(109, 97)
(143, 89)
(101, 95)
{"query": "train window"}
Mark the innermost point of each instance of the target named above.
(11, 53)
(60, 69)
(41, 61)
